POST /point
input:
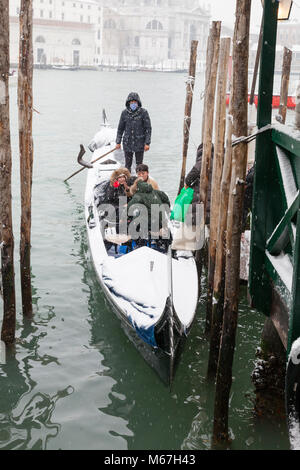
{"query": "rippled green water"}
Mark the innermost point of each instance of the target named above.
(74, 380)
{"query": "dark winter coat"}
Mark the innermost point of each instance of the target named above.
(134, 126)
(113, 193)
(148, 196)
(193, 181)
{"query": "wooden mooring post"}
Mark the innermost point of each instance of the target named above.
(6, 228)
(25, 104)
(219, 215)
(256, 65)
(207, 74)
(188, 110)
(219, 140)
(208, 120)
(233, 239)
(208, 111)
(284, 88)
(219, 275)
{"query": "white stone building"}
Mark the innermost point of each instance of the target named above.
(65, 32)
(85, 33)
(153, 32)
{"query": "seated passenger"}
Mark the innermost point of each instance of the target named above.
(142, 172)
(119, 185)
(153, 218)
(111, 197)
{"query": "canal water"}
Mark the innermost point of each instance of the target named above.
(74, 380)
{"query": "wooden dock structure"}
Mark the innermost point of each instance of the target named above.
(274, 281)
(274, 264)
(274, 270)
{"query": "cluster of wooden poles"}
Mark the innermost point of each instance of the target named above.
(25, 108)
(228, 166)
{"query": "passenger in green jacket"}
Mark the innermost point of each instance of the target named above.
(148, 198)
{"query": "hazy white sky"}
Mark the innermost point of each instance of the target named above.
(224, 10)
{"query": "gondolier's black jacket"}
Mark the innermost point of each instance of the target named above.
(134, 126)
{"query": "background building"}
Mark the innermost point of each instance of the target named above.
(65, 32)
(288, 35)
(119, 33)
(153, 33)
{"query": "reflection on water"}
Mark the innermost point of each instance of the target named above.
(25, 415)
(32, 428)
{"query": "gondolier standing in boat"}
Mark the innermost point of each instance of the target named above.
(135, 129)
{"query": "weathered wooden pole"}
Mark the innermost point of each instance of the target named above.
(220, 124)
(256, 65)
(208, 113)
(219, 275)
(208, 119)
(25, 103)
(200, 256)
(6, 228)
(218, 186)
(188, 110)
(207, 74)
(284, 88)
(233, 238)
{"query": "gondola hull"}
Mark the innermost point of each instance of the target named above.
(158, 358)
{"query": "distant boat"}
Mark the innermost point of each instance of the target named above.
(65, 67)
(126, 69)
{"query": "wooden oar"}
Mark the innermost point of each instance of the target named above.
(81, 153)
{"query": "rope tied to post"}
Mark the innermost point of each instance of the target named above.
(190, 81)
(251, 137)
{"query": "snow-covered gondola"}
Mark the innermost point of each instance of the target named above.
(153, 291)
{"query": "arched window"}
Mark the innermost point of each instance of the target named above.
(76, 42)
(110, 24)
(154, 24)
(40, 39)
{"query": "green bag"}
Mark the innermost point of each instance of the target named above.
(181, 204)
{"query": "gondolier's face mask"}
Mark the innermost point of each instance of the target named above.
(133, 105)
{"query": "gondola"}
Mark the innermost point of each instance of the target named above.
(152, 289)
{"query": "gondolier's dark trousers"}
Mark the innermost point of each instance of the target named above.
(129, 157)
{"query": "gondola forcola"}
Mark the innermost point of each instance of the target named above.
(152, 289)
